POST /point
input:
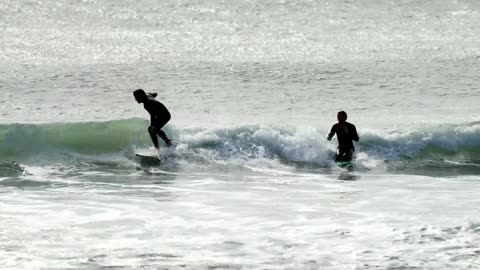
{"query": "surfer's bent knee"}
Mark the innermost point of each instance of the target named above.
(151, 129)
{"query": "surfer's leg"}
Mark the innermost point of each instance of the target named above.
(344, 155)
(348, 155)
(339, 155)
(158, 130)
(164, 137)
(153, 135)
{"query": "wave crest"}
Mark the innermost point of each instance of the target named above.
(304, 145)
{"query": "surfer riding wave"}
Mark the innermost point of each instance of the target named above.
(159, 116)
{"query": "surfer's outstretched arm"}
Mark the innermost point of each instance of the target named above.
(332, 132)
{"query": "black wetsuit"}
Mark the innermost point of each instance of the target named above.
(346, 134)
(159, 117)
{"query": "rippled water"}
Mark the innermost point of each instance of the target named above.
(253, 87)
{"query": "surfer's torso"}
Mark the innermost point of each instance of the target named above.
(157, 111)
(346, 134)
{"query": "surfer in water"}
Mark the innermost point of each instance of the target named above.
(159, 116)
(346, 134)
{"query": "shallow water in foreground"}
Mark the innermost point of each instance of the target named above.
(137, 216)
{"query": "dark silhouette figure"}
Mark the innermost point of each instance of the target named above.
(346, 134)
(159, 115)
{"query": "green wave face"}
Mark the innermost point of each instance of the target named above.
(84, 138)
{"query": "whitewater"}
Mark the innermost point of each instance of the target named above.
(253, 88)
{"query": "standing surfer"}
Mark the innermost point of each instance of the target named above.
(346, 134)
(159, 116)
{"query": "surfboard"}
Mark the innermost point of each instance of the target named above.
(350, 166)
(148, 159)
(146, 156)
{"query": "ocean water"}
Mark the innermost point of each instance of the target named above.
(253, 88)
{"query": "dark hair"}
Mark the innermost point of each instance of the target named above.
(343, 113)
(140, 94)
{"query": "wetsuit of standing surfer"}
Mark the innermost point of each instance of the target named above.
(159, 115)
(346, 134)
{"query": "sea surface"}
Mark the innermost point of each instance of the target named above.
(254, 88)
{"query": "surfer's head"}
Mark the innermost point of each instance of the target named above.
(140, 95)
(341, 116)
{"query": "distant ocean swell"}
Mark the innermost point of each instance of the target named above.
(449, 144)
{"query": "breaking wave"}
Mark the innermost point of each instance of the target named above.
(452, 144)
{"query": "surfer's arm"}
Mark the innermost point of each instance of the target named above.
(332, 132)
(354, 134)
